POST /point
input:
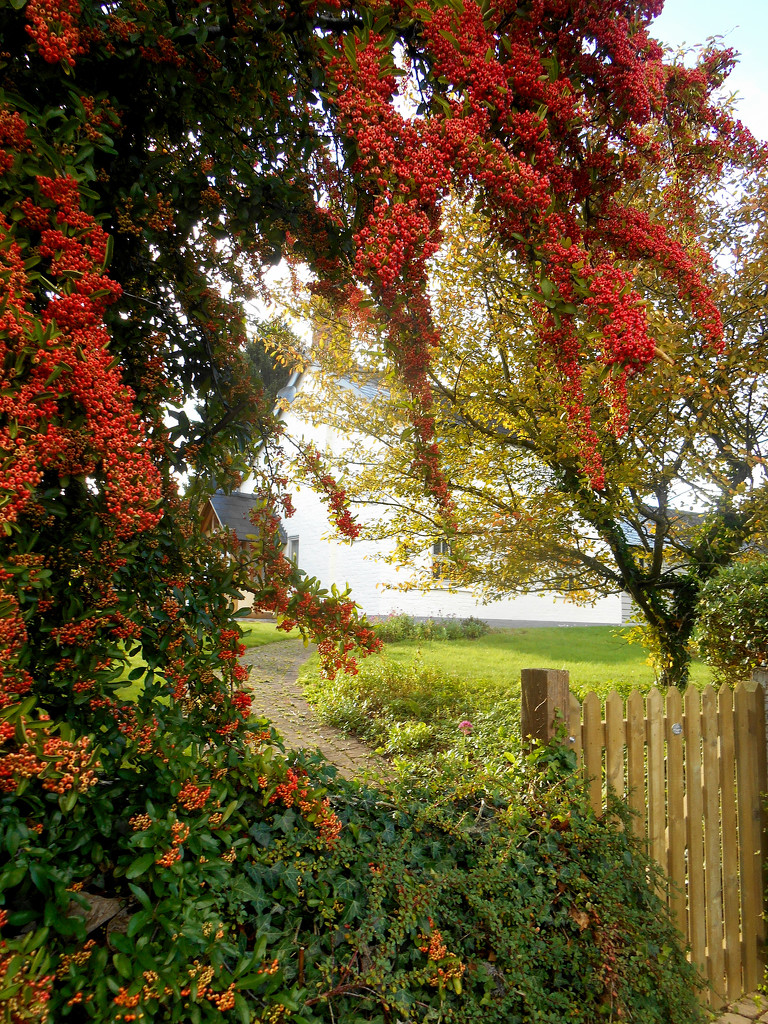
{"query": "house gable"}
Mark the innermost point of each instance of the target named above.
(233, 512)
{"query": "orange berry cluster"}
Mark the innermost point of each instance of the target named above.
(169, 858)
(286, 791)
(123, 998)
(26, 998)
(60, 764)
(434, 946)
(328, 824)
(82, 956)
(193, 797)
(179, 833)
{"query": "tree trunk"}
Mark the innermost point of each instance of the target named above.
(676, 663)
(673, 639)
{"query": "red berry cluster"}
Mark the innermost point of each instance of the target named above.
(193, 797)
(15, 681)
(512, 132)
(53, 24)
(71, 371)
(312, 467)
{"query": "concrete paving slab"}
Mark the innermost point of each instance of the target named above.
(751, 1009)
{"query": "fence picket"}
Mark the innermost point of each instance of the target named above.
(675, 807)
(758, 731)
(575, 729)
(636, 761)
(615, 738)
(593, 740)
(712, 865)
(749, 845)
(730, 857)
(694, 794)
(656, 781)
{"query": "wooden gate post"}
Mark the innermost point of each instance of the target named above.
(546, 700)
(760, 675)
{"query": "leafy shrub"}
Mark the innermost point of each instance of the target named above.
(252, 887)
(397, 628)
(732, 629)
(473, 628)
(536, 910)
(409, 737)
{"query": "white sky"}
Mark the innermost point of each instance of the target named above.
(744, 24)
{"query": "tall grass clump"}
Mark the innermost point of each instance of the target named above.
(413, 710)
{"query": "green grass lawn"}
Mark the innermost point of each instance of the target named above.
(597, 657)
(410, 697)
(258, 634)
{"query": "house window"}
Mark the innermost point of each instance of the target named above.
(292, 550)
(441, 560)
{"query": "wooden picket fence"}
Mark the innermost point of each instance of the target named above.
(693, 768)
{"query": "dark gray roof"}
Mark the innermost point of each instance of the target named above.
(233, 511)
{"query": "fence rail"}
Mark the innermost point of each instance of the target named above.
(693, 769)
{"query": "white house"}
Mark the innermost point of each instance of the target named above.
(377, 585)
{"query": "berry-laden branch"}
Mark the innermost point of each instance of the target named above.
(540, 124)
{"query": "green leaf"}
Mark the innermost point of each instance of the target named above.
(121, 942)
(13, 841)
(140, 895)
(140, 866)
(109, 251)
(229, 809)
(250, 981)
(67, 800)
(137, 922)
(12, 876)
(124, 964)
(244, 1013)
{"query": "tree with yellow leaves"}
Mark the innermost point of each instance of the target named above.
(683, 489)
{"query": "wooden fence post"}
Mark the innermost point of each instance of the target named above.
(546, 699)
(760, 675)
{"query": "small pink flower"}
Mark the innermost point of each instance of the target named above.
(465, 727)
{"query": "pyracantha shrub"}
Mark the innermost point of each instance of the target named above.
(156, 158)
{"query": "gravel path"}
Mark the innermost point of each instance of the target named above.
(272, 679)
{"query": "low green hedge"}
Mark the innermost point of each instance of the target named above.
(396, 628)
